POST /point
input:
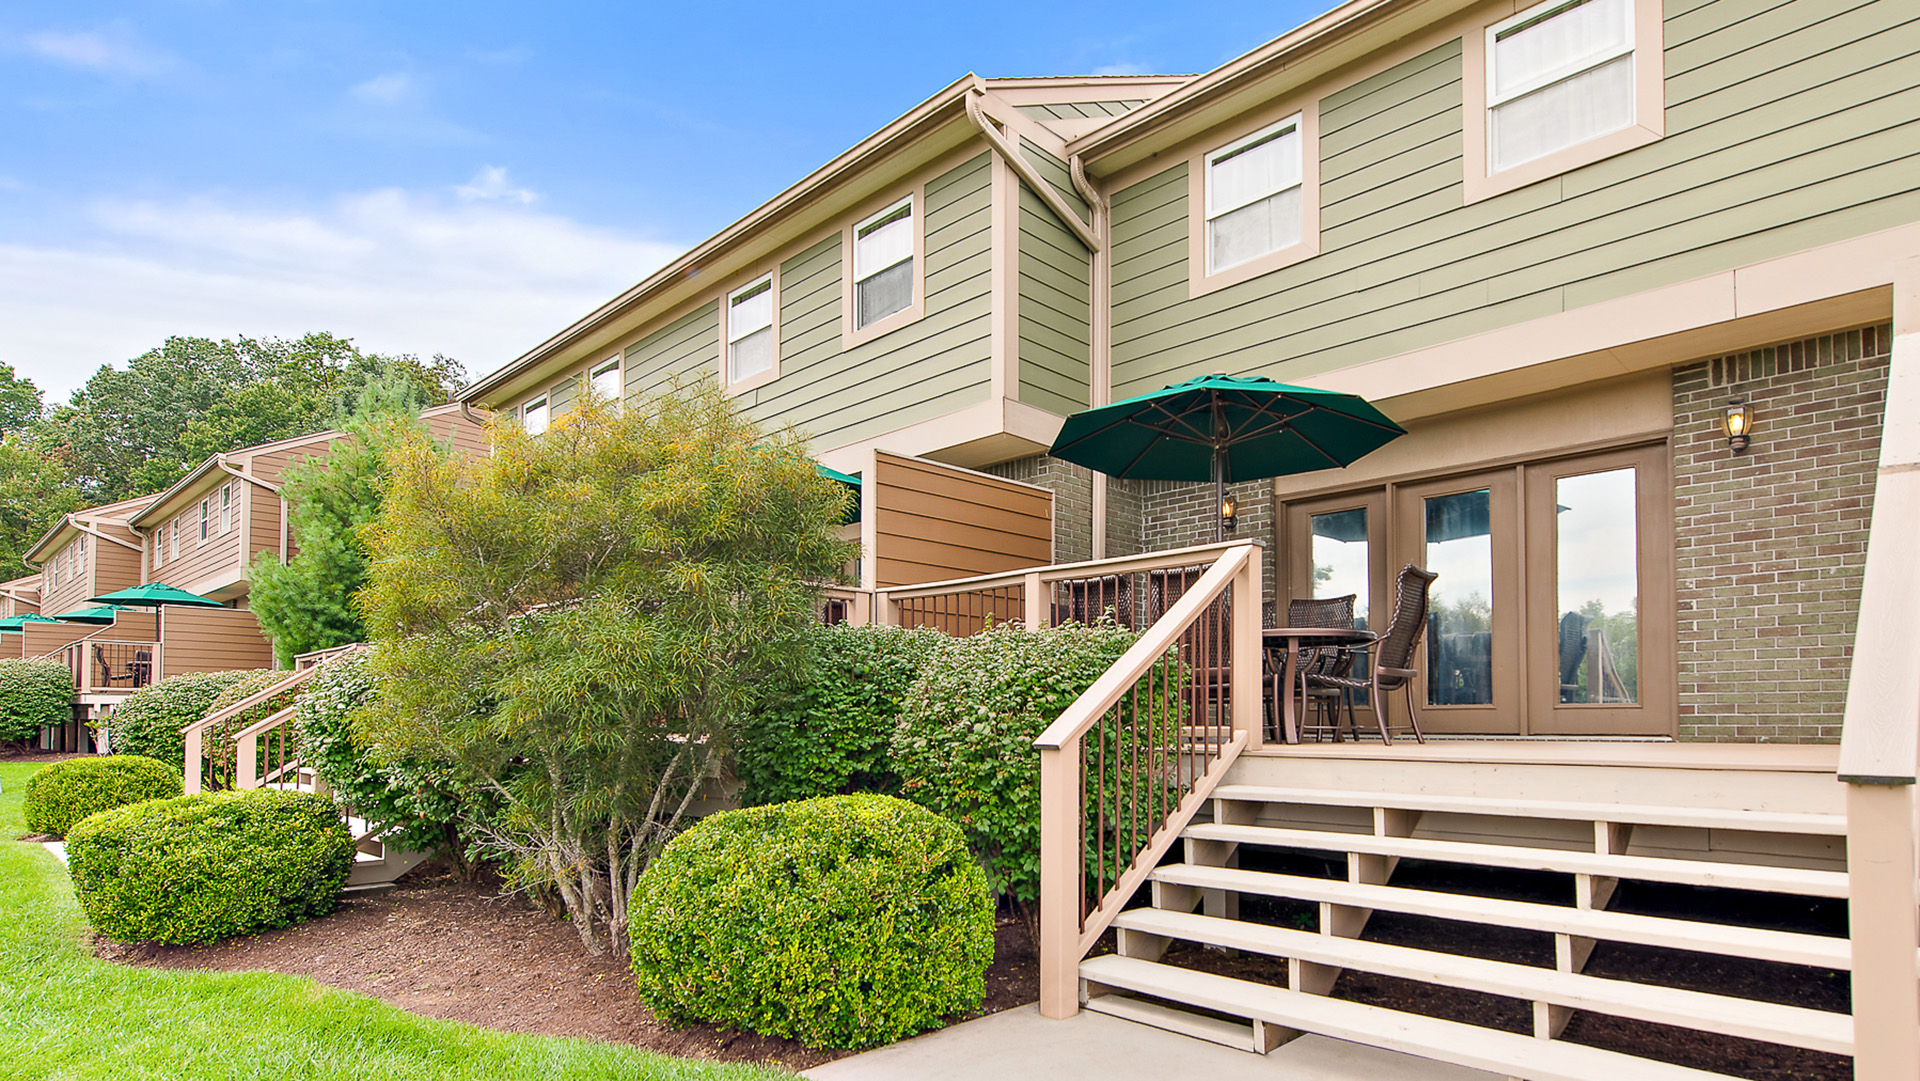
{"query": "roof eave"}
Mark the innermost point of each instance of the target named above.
(930, 113)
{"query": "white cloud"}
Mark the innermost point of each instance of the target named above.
(397, 271)
(392, 89)
(490, 185)
(112, 51)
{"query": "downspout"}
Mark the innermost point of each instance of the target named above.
(1099, 332)
(85, 528)
(221, 461)
(1026, 172)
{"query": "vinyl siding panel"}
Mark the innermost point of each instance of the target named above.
(933, 522)
(1054, 172)
(215, 560)
(1055, 275)
(688, 347)
(1788, 126)
(1075, 110)
(566, 395)
(928, 368)
(114, 568)
(211, 640)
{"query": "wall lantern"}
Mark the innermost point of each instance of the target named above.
(1738, 423)
(1229, 513)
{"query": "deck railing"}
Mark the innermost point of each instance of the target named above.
(100, 664)
(207, 765)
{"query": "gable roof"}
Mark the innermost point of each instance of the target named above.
(56, 536)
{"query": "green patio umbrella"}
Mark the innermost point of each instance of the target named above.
(16, 624)
(99, 614)
(1224, 428)
(154, 594)
(852, 513)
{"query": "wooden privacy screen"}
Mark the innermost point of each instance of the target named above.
(210, 640)
(934, 522)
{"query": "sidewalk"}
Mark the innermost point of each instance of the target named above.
(1020, 1044)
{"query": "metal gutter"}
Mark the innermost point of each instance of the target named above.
(935, 112)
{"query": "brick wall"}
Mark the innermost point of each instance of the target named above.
(1072, 488)
(1174, 515)
(1771, 544)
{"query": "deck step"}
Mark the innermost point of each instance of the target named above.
(1816, 1030)
(1642, 868)
(1788, 947)
(1449, 1041)
(1199, 1026)
(1825, 825)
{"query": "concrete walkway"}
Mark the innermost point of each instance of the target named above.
(1020, 1044)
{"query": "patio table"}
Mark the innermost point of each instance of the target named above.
(1288, 641)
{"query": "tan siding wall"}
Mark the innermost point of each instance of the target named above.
(928, 368)
(1788, 126)
(76, 581)
(933, 522)
(465, 436)
(43, 638)
(12, 646)
(216, 558)
(263, 526)
(211, 640)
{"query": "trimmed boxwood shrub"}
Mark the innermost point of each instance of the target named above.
(843, 921)
(34, 694)
(200, 868)
(964, 743)
(66, 792)
(825, 732)
(149, 721)
(419, 800)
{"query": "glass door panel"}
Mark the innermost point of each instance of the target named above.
(1466, 530)
(1596, 541)
(1340, 550)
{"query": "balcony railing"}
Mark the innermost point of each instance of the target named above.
(100, 664)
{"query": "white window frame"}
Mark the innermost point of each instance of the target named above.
(1533, 16)
(730, 335)
(1646, 29)
(611, 365)
(159, 547)
(173, 539)
(206, 517)
(543, 403)
(1298, 110)
(1295, 124)
(226, 508)
(852, 333)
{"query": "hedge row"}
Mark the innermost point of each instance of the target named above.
(34, 694)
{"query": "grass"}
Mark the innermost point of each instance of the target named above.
(66, 1015)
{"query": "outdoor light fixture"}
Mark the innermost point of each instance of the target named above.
(1229, 510)
(1739, 424)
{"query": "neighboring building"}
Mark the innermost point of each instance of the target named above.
(1634, 276)
(87, 553)
(20, 597)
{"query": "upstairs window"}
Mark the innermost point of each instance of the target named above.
(173, 539)
(226, 508)
(750, 326)
(1254, 196)
(883, 264)
(1558, 75)
(533, 415)
(159, 547)
(206, 515)
(605, 379)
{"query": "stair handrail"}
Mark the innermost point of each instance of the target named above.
(194, 734)
(1065, 934)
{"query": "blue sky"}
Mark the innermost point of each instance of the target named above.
(463, 179)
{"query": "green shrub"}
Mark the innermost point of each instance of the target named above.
(826, 732)
(418, 800)
(66, 792)
(149, 720)
(34, 694)
(200, 868)
(843, 921)
(964, 744)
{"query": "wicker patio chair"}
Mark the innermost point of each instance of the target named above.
(1319, 660)
(1393, 656)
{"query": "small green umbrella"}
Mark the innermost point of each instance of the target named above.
(852, 513)
(100, 614)
(1225, 428)
(154, 594)
(16, 624)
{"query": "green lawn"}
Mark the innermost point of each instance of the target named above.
(65, 1015)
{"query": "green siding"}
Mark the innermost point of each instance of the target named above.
(931, 367)
(688, 347)
(1054, 172)
(566, 393)
(1789, 125)
(1054, 291)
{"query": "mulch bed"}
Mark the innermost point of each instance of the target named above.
(440, 947)
(13, 753)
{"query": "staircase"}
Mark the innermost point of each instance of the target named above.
(1589, 846)
(266, 755)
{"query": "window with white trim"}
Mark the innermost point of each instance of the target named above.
(1558, 74)
(882, 265)
(206, 515)
(173, 539)
(605, 379)
(533, 415)
(53, 572)
(159, 547)
(750, 326)
(1255, 196)
(226, 508)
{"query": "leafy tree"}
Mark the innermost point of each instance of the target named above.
(577, 620)
(307, 602)
(34, 492)
(20, 401)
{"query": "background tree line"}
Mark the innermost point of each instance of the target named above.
(136, 429)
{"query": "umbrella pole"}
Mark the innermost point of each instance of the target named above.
(1219, 494)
